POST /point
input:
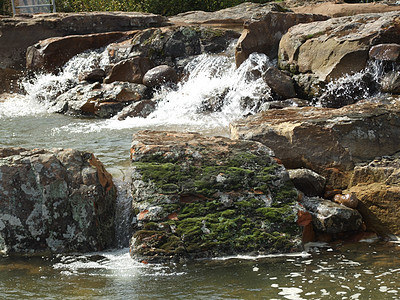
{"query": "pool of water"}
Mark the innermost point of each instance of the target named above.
(342, 271)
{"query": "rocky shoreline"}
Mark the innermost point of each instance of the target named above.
(320, 164)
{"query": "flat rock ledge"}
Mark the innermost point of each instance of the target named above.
(327, 141)
(54, 201)
(200, 197)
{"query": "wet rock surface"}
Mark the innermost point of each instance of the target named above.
(130, 70)
(160, 75)
(54, 201)
(168, 44)
(100, 100)
(198, 196)
(328, 141)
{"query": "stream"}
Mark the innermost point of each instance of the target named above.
(365, 270)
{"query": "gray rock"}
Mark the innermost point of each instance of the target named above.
(280, 83)
(138, 109)
(54, 201)
(308, 181)
(160, 75)
(330, 217)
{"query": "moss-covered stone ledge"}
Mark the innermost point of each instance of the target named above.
(198, 196)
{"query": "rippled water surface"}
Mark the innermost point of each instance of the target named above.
(357, 271)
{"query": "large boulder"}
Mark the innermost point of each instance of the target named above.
(54, 201)
(166, 45)
(332, 48)
(51, 54)
(377, 186)
(198, 196)
(160, 75)
(264, 33)
(327, 141)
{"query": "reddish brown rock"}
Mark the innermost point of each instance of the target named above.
(53, 53)
(130, 70)
(96, 75)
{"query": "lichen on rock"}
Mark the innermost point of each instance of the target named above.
(198, 196)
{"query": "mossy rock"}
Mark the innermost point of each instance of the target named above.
(210, 196)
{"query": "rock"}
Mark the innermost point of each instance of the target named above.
(138, 109)
(327, 141)
(20, 32)
(329, 49)
(160, 75)
(168, 45)
(390, 82)
(54, 201)
(130, 70)
(336, 9)
(308, 86)
(349, 200)
(377, 186)
(51, 54)
(385, 52)
(296, 102)
(330, 217)
(307, 181)
(280, 83)
(199, 196)
(96, 75)
(263, 34)
(101, 100)
(232, 17)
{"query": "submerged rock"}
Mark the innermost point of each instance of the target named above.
(54, 200)
(327, 141)
(198, 196)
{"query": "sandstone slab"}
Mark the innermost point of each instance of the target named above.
(332, 48)
(328, 141)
